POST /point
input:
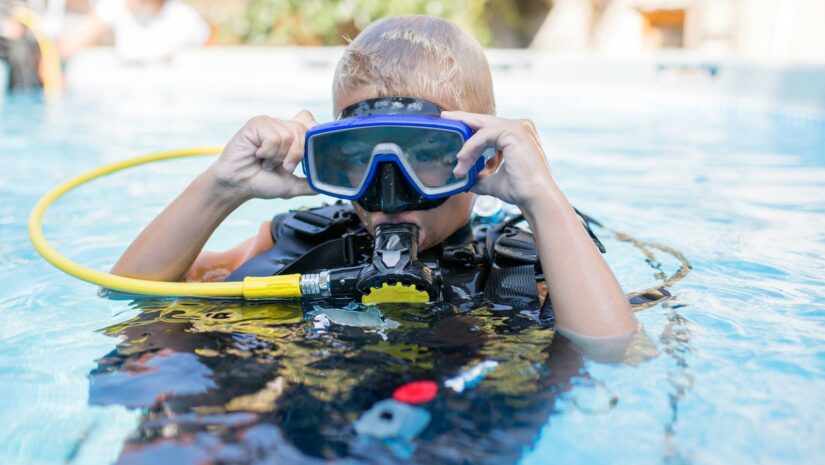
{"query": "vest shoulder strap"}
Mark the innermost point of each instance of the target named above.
(318, 223)
(298, 232)
(515, 266)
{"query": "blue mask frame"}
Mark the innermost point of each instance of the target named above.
(389, 153)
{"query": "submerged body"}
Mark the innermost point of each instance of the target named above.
(292, 383)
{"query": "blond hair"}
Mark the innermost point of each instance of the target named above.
(417, 56)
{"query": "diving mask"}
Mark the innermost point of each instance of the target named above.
(389, 154)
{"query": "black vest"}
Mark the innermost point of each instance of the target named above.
(498, 264)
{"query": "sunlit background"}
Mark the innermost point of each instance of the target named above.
(685, 40)
(783, 30)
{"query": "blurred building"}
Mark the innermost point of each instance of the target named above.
(769, 30)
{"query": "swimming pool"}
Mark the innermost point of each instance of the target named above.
(740, 371)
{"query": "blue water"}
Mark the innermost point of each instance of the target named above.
(738, 374)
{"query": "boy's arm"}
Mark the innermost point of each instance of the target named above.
(586, 296)
(216, 266)
(172, 241)
(587, 299)
(257, 163)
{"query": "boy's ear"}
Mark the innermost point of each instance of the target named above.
(493, 163)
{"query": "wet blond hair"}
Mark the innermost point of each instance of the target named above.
(417, 56)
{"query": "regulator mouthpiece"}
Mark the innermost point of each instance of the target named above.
(395, 274)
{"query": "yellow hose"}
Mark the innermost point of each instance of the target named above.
(270, 287)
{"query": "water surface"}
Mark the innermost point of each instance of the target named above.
(740, 365)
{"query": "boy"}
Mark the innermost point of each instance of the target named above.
(422, 58)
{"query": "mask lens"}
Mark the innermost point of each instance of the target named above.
(432, 156)
(341, 159)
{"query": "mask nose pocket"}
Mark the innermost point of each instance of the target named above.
(391, 192)
(392, 189)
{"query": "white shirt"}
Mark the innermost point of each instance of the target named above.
(177, 25)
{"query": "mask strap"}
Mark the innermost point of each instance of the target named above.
(391, 106)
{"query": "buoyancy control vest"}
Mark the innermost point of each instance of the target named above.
(497, 263)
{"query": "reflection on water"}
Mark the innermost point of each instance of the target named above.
(247, 383)
(676, 342)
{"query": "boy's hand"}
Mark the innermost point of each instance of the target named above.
(259, 159)
(524, 174)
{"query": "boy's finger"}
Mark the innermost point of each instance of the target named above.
(484, 184)
(294, 157)
(300, 186)
(305, 118)
(476, 121)
(276, 184)
(473, 148)
(275, 140)
(257, 129)
(295, 152)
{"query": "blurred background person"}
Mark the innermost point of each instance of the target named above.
(18, 48)
(142, 30)
(30, 57)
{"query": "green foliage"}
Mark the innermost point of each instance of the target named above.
(328, 22)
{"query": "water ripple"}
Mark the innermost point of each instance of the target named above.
(738, 379)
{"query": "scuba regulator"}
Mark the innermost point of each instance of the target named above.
(393, 274)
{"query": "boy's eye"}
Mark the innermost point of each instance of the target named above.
(432, 157)
(361, 157)
(355, 151)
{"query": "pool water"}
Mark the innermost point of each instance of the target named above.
(737, 374)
